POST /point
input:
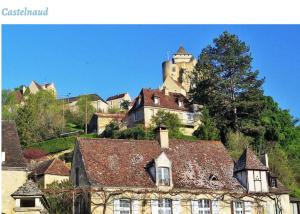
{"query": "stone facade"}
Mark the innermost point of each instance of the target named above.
(178, 69)
(114, 102)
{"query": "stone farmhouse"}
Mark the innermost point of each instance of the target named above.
(34, 87)
(97, 102)
(165, 176)
(150, 101)
(49, 171)
(114, 102)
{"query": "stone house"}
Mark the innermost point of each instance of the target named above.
(49, 171)
(14, 169)
(150, 101)
(177, 72)
(35, 87)
(114, 102)
(165, 176)
(97, 102)
(99, 121)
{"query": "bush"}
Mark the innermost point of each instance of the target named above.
(34, 153)
(137, 132)
(237, 143)
(55, 145)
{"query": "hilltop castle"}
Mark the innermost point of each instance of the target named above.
(177, 72)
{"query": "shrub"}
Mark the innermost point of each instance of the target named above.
(34, 153)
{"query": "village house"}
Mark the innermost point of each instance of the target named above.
(99, 121)
(14, 169)
(164, 176)
(97, 102)
(150, 101)
(114, 102)
(35, 87)
(177, 72)
(50, 171)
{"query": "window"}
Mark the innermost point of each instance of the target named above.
(180, 103)
(77, 176)
(202, 206)
(164, 206)
(273, 182)
(163, 176)
(239, 207)
(156, 100)
(30, 202)
(124, 206)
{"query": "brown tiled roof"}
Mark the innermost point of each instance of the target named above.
(182, 51)
(169, 101)
(53, 167)
(116, 97)
(11, 146)
(249, 160)
(28, 189)
(115, 163)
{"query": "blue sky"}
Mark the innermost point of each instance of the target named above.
(111, 59)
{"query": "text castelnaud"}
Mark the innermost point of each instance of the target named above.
(24, 12)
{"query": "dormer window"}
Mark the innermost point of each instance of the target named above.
(156, 100)
(180, 103)
(213, 177)
(163, 176)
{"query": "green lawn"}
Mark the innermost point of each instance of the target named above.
(58, 144)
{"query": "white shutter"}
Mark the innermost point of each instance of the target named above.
(194, 207)
(248, 207)
(215, 206)
(116, 206)
(135, 206)
(233, 207)
(154, 206)
(176, 207)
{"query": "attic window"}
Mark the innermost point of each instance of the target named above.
(180, 103)
(156, 99)
(213, 177)
(28, 202)
(163, 176)
(273, 182)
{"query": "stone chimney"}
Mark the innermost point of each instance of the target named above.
(264, 159)
(162, 136)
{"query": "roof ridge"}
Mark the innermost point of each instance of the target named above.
(52, 161)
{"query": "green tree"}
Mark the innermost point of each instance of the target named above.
(39, 118)
(9, 105)
(85, 110)
(125, 105)
(237, 142)
(169, 119)
(110, 129)
(60, 197)
(225, 82)
(208, 129)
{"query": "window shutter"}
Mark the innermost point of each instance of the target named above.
(116, 206)
(194, 207)
(215, 206)
(154, 206)
(233, 207)
(135, 206)
(248, 207)
(176, 207)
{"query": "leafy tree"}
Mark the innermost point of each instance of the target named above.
(208, 129)
(225, 82)
(60, 197)
(125, 105)
(39, 118)
(9, 105)
(279, 124)
(85, 110)
(237, 142)
(171, 120)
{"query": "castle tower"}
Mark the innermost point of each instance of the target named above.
(179, 70)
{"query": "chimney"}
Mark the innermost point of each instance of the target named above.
(265, 160)
(162, 136)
